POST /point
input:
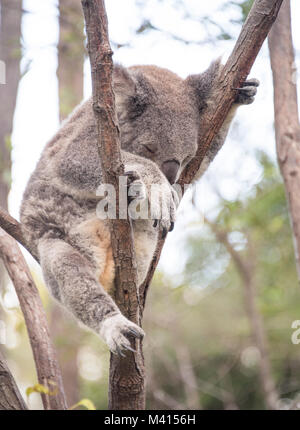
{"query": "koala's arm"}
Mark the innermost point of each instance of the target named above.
(71, 278)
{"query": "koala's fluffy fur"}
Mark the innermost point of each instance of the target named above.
(159, 115)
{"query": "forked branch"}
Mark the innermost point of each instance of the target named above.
(255, 30)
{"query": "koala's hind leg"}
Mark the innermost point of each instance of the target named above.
(72, 279)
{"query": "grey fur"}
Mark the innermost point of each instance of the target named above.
(159, 115)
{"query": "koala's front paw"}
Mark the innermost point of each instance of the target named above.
(164, 202)
(247, 93)
(136, 188)
(115, 331)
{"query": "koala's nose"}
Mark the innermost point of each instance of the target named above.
(170, 169)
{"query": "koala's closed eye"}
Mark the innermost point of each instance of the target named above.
(150, 148)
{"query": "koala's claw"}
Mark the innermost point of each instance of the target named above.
(164, 229)
(164, 233)
(251, 82)
(129, 348)
(135, 333)
(117, 351)
(246, 94)
(115, 332)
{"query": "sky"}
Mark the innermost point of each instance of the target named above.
(233, 172)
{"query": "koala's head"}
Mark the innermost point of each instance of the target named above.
(159, 114)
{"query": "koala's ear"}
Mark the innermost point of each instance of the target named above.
(202, 84)
(123, 83)
(129, 88)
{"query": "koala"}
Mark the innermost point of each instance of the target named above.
(159, 115)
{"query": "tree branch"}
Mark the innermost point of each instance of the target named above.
(10, 397)
(14, 229)
(255, 30)
(287, 127)
(44, 355)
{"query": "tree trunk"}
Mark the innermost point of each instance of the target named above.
(70, 56)
(126, 380)
(10, 53)
(287, 127)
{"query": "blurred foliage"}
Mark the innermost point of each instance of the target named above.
(245, 7)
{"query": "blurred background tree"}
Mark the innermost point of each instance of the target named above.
(203, 349)
(10, 55)
(71, 55)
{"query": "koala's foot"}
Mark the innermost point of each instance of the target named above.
(115, 331)
(247, 93)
